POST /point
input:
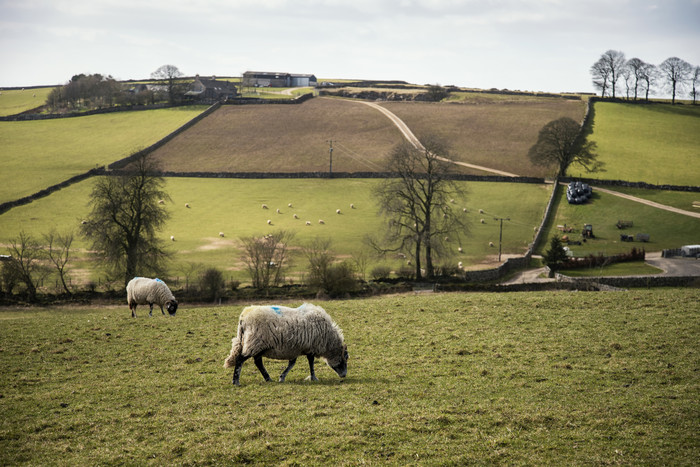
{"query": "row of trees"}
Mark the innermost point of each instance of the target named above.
(98, 91)
(613, 72)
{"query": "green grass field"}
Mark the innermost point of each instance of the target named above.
(652, 143)
(233, 206)
(666, 229)
(14, 101)
(433, 379)
(38, 154)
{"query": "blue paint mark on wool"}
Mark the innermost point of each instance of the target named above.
(276, 309)
(158, 280)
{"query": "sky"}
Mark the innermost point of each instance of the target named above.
(528, 45)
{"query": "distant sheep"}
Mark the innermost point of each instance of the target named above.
(483, 221)
(464, 209)
(321, 221)
(352, 206)
(337, 211)
(459, 265)
(296, 217)
(289, 205)
(491, 244)
(284, 333)
(187, 205)
(172, 238)
(308, 222)
(221, 234)
(481, 211)
(269, 222)
(145, 291)
(161, 201)
(278, 211)
(459, 249)
(264, 206)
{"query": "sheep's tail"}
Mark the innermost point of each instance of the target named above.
(236, 348)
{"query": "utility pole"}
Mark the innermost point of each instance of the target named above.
(500, 234)
(330, 156)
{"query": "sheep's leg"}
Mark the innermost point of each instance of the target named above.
(312, 376)
(259, 363)
(237, 369)
(289, 367)
(161, 310)
(132, 307)
(150, 313)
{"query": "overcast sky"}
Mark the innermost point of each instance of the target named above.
(536, 45)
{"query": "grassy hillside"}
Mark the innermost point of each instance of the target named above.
(492, 131)
(14, 101)
(38, 154)
(438, 379)
(666, 229)
(653, 143)
(283, 138)
(234, 207)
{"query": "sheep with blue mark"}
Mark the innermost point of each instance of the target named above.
(145, 291)
(284, 333)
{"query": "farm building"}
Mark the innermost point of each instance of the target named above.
(212, 89)
(278, 80)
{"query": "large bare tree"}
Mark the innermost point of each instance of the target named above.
(125, 219)
(608, 70)
(694, 81)
(676, 73)
(638, 70)
(416, 203)
(560, 144)
(169, 74)
(26, 263)
(266, 258)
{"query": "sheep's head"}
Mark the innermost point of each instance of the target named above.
(171, 306)
(339, 362)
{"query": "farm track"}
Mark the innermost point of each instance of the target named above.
(411, 138)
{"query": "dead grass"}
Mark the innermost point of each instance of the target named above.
(495, 134)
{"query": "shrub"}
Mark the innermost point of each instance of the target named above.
(212, 283)
(380, 272)
(406, 272)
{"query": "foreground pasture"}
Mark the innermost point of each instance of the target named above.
(554, 378)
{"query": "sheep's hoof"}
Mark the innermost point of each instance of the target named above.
(311, 378)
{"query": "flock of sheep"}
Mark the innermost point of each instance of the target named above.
(276, 332)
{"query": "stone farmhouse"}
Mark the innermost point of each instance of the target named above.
(211, 89)
(278, 80)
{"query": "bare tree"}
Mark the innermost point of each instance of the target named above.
(559, 143)
(608, 70)
(125, 220)
(648, 76)
(169, 74)
(694, 79)
(26, 264)
(58, 252)
(676, 73)
(266, 258)
(417, 204)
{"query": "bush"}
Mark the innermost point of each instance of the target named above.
(380, 272)
(340, 279)
(406, 272)
(212, 283)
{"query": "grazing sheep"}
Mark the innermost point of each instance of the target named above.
(284, 333)
(464, 209)
(145, 291)
(161, 201)
(481, 211)
(308, 222)
(187, 205)
(264, 206)
(459, 265)
(83, 222)
(459, 249)
(337, 211)
(320, 221)
(296, 217)
(221, 234)
(352, 206)
(289, 205)
(269, 221)
(278, 211)
(483, 221)
(172, 238)
(491, 244)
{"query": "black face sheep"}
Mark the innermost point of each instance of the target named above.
(145, 291)
(284, 333)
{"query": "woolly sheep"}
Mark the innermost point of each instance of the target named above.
(320, 221)
(221, 234)
(483, 221)
(337, 211)
(289, 205)
(187, 205)
(284, 333)
(352, 205)
(296, 217)
(278, 211)
(269, 221)
(172, 238)
(460, 265)
(161, 201)
(491, 244)
(459, 249)
(264, 206)
(481, 211)
(145, 291)
(308, 222)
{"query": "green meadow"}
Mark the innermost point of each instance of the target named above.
(234, 207)
(666, 229)
(655, 143)
(14, 101)
(38, 154)
(556, 378)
